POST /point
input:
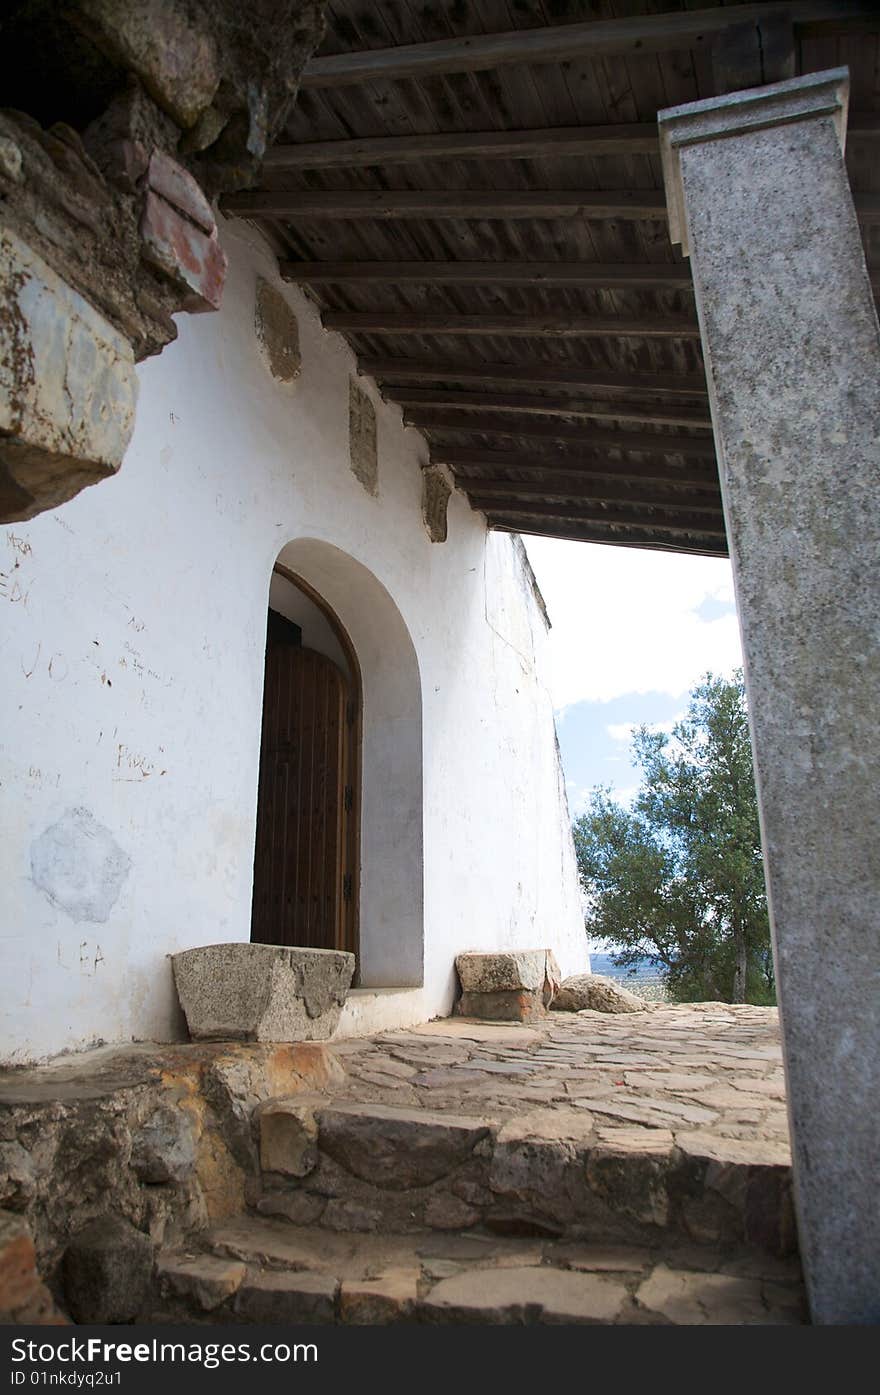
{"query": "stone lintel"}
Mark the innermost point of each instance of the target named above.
(716, 118)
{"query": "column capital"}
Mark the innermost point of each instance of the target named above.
(716, 118)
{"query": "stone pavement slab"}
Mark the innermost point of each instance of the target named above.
(284, 1274)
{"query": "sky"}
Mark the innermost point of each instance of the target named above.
(632, 632)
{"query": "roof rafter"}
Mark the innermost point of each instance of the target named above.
(593, 275)
(447, 203)
(545, 142)
(532, 404)
(542, 326)
(572, 374)
(694, 29)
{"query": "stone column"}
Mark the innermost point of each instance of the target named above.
(759, 199)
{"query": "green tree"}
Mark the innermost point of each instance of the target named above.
(678, 878)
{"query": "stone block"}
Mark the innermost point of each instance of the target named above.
(377, 1302)
(597, 993)
(24, 1300)
(275, 1297)
(397, 1148)
(505, 1006)
(302, 1208)
(19, 1280)
(164, 1148)
(204, 1280)
(253, 992)
(507, 985)
(525, 1294)
(503, 971)
(445, 1212)
(694, 1299)
(67, 387)
(631, 1183)
(107, 1270)
(176, 58)
(289, 1136)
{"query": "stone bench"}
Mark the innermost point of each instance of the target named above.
(254, 992)
(507, 985)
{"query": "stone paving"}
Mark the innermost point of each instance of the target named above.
(708, 1068)
(249, 1270)
(670, 1123)
(583, 1167)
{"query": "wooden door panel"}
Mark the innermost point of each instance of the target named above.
(301, 844)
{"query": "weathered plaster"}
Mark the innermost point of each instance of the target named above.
(79, 866)
(133, 639)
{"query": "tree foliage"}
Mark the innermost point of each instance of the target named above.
(678, 878)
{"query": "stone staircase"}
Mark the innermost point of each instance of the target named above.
(371, 1212)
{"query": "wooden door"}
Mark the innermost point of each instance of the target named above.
(301, 884)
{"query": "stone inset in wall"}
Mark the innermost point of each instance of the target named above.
(362, 438)
(436, 490)
(67, 387)
(277, 333)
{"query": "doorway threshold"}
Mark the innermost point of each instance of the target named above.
(370, 1010)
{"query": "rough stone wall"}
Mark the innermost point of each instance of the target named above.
(143, 113)
(159, 1141)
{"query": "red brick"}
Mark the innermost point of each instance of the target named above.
(177, 187)
(184, 253)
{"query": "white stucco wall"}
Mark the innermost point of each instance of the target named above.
(132, 639)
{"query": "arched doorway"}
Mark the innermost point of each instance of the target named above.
(306, 852)
(363, 633)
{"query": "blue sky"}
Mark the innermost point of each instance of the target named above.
(632, 632)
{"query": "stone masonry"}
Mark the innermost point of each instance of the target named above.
(584, 1168)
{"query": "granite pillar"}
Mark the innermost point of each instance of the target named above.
(759, 200)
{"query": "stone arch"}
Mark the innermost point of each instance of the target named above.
(391, 871)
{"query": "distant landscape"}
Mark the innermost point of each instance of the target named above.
(643, 977)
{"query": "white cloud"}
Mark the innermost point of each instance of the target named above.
(624, 731)
(625, 621)
(621, 731)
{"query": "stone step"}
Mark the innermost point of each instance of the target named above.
(254, 1270)
(559, 1172)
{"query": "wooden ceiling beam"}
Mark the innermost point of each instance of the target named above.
(651, 442)
(696, 521)
(545, 326)
(544, 143)
(695, 545)
(634, 138)
(604, 441)
(572, 375)
(508, 494)
(588, 275)
(471, 465)
(532, 404)
(633, 37)
(294, 204)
